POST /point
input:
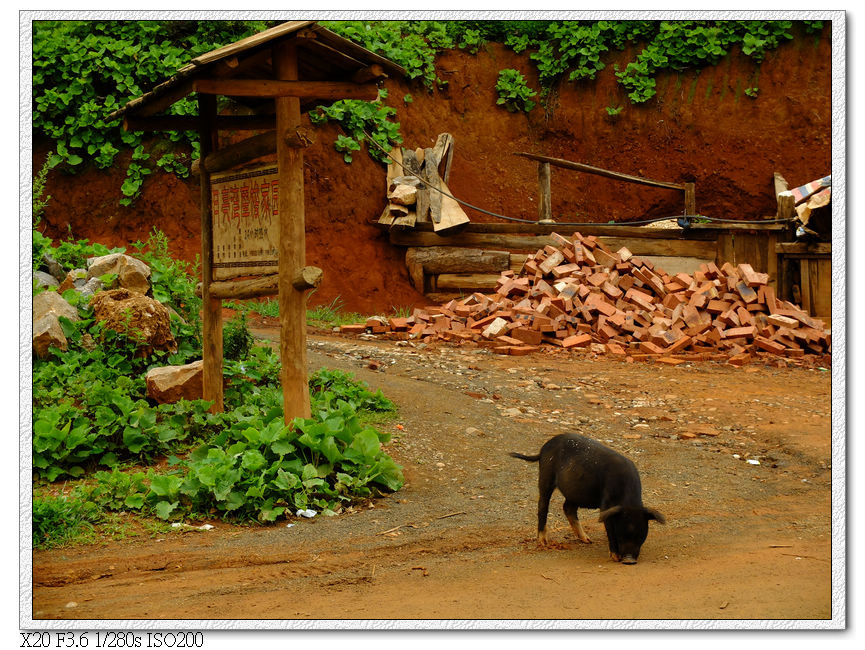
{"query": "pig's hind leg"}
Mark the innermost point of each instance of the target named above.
(571, 513)
(546, 485)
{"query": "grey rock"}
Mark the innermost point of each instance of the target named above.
(44, 279)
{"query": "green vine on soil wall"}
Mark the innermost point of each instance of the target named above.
(83, 70)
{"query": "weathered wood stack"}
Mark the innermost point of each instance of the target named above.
(578, 292)
(417, 190)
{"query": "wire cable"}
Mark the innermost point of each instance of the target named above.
(569, 223)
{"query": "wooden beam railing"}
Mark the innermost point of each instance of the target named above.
(544, 162)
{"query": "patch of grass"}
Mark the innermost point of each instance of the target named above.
(63, 521)
(331, 315)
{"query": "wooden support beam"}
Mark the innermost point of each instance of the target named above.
(567, 164)
(284, 88)
(545, 204)
(292, 241)
(690, 199)
(211, 307)
(372, 72)
(641, 246)
(309, 277)
(257, 146)
(190, 123)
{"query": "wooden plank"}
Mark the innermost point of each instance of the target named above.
(453, 217)
(466, 281)
(545, 209)
(211, 307)
(805, 285)
(292, 244)
(567, 164)
(795, 248)
(660, 247)
(412, 166)
(694, 233)
(444, 151)
(690, 199)
(279, 88)
(431, 176)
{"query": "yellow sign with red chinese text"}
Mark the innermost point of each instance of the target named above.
(245, 209)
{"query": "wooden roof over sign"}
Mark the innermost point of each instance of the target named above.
(323, 56)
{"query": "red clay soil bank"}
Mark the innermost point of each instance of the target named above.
(701, 127)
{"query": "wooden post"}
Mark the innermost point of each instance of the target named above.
(211, 307)
(690, 199)
(545, 209)
(292, 240)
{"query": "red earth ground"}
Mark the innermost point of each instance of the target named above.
(749, 533)
(701, 127)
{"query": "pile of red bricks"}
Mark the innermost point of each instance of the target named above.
(579, 292)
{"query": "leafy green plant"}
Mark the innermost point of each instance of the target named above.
(471, 41)
(613, 111)
(752, 92)
(333, 385)
(514, 94)
(60, 520)
(237, 340)
(361, 121)
(39, 198)
(83, 70)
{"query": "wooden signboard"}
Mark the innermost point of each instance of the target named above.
(245, 222)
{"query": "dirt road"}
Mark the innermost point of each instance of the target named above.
(743, 540)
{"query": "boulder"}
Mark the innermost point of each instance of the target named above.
(45, 280)
(141, 318)
(170, 384)
(131, 273)
(47, 333)
(52, 302)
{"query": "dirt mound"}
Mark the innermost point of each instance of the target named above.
(143, 319)
(700, 128)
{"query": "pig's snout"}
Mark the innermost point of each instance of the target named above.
(629, 559)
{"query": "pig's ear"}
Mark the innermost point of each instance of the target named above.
(609, 512)
(651, 513)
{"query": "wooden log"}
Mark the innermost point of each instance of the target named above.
(452, 259)
(466, 281)
(659, 247)
(292, 242)
(281, 88)
(190, 123)
(257, 146)
(309, 277)
(373, 72)
(545, 210)
(567, 164)
(211, 307)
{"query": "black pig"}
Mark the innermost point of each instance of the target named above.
(590, 475)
